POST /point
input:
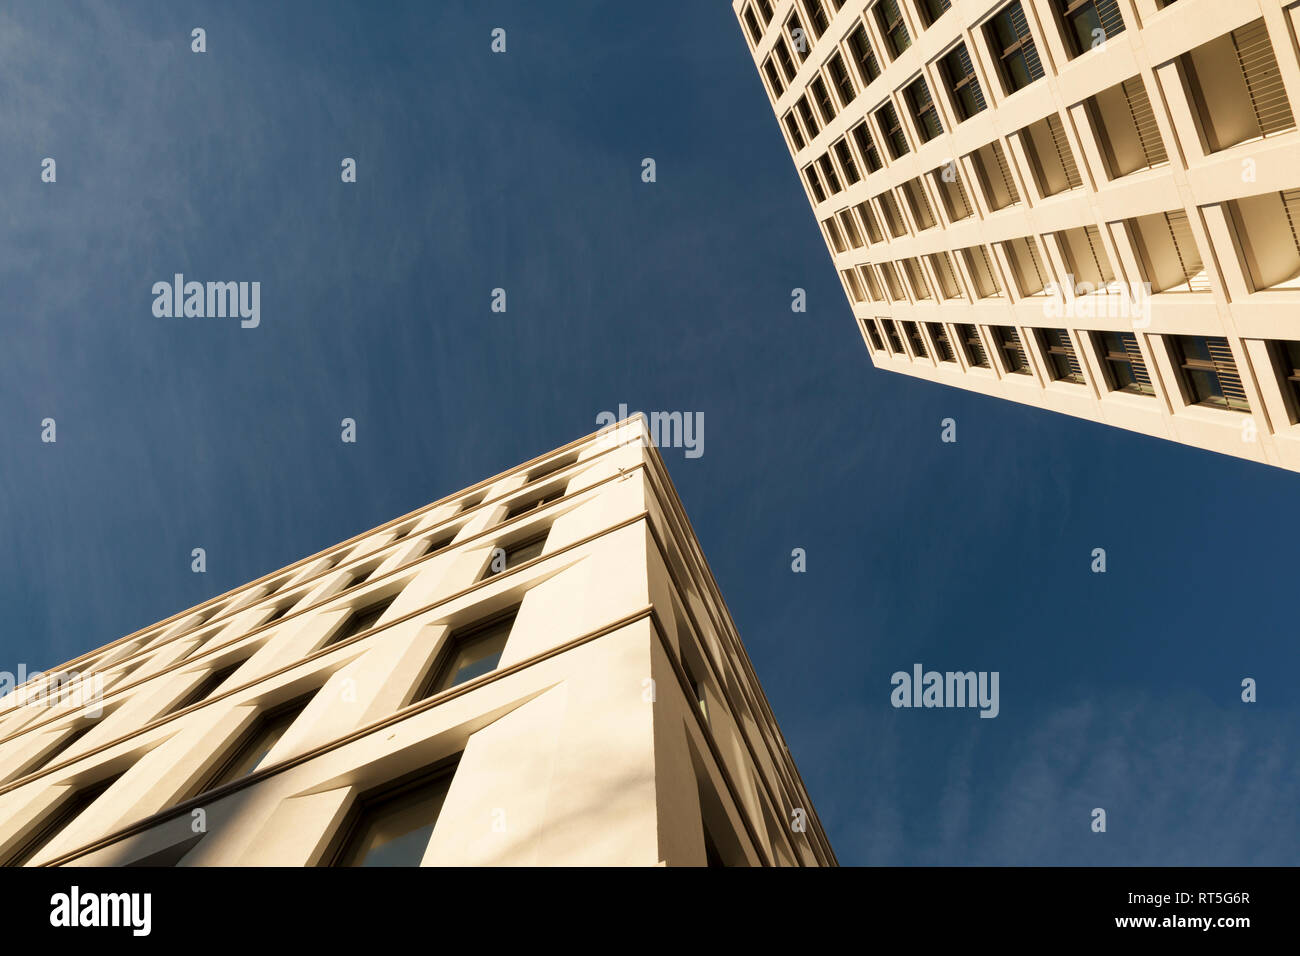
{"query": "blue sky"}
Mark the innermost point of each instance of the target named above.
(475, 171)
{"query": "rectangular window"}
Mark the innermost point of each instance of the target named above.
(963, 86)
(995, 176)
(895, 340)
(890, 20)
(1125, 126)
(551, 467)
(873, 334)
(1126, 369)
(765, 9)
(916, 279)
(1209, 372)
(822, 97)
(828, 174)
(839, 75)
(982, 272)
(852, 286)
(893, 218)
(534, 503)
(942, 347)
(359, 621)
(972, 345)
(810, 125)
(917, 339)
(752, 28)
(869, 222)
(1171, 260)
(1267, 234)
(864, 58)
(1014, 359)
(799, 38)
(249, 753)
(871, 283)
(849, 226)
(892, 130)
(58, 819)
(393, 827)
(922, 214)
(844, 156)
(1050, 158)
(775, 82)
(866, 147)
(1286, 357)
(926, 117)
(892, 282)
(1013, 47)
(796, 134)
(931, 10)
(1236, 88)
(508, 558)
(1087, 258)
(1062, 363)
(956, 203)
(783, 57)
(817, 18)
(1088, 23)
(205, 688)
(833, 237)
(942, 266)
(469, 653)
(1030, 273)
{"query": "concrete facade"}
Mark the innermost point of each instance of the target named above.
(973, 164)
(621, 724)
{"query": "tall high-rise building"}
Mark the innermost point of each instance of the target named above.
(537, 670)
(1092, 206)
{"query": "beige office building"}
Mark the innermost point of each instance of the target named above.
(538, 670)
(1088, 205)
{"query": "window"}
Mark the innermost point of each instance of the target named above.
(751, 26)
(1086, 256)
(995, 176)
(869, 326)
(942, 267)
(1286, 356)
(869, 222)
(1126, 369)
(1050, 157)
(866, 147)
(774, 80)
(59, 818)
(891, 333)
(1236, 89)
(892, 130)
(1013, 47)
(839, 75)
(204, 688)
(833, 237)
(280, 612)
(1027, 266)
(931, 10)
(249, 753)
(863, 56)
(822, 97)
(551, 467)
(473, 501)
(849, 227)
(916, 279)
(951, 191)
(469, 653)
(394, 827)
(869, 280)
(922, 214)
(926, 117)
(893, 218)
(817, 18)
(796, 134)
(783, 57)
(437, 544)
(799, 38)
(852, 286)
(1125, 126)
(829, 176)
(942, 347)
(765, 9)
(971, 344)
(845, 157)
(814, 182)
(963, 86)
(532, 504)
(1014, 359)
(1063, 365)
(1266, 232)
(1171, 261)
(890, 20)
(515, 555)
(981, 271)
(917, 339)
(1088, 23)
(810, 124)
(359, 621)
(359, 576)
(1209, 372)
(892, 282)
